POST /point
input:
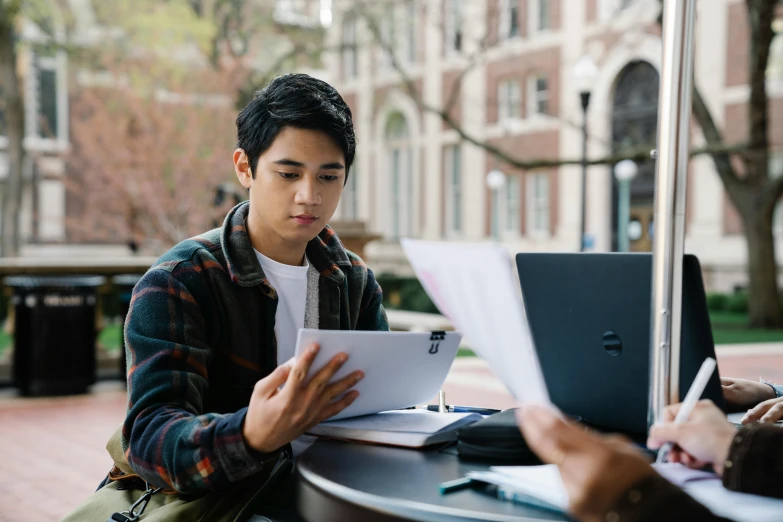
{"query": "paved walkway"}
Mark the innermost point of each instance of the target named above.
(52, 452)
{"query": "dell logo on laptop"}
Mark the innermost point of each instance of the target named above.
(612, 343)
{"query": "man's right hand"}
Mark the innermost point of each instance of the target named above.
(705, 438)
(277, 416)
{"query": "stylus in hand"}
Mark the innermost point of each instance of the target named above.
(692, 397)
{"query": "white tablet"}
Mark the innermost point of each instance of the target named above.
(401, 369)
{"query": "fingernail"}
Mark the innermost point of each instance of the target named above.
(358, 376)
(314, 348)
(342, 358)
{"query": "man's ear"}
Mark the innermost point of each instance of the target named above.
(242, 168)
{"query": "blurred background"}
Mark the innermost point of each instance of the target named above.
(524, 122)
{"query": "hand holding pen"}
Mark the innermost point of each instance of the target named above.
(700, 431)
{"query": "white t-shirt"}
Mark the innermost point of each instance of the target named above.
(290, 282)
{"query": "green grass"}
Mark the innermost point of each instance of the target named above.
(5, 341)
(731, 328)
(111, 337)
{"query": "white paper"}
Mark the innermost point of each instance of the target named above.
(400, 368)
(472, 285)
(540, 482)
(739, 507)
(401, 421)
(680, 475)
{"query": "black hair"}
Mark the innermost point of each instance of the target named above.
(299, 101)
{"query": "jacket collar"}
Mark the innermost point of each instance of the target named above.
(325, 252)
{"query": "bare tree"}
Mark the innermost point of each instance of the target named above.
(751, 187)
(12, 101)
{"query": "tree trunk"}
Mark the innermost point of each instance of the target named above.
(14, 118)
(764, 307)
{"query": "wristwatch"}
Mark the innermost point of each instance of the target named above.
(777, 390)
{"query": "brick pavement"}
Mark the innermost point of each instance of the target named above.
(52, 452)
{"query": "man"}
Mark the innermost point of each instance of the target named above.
(214, 397)
(607, 479)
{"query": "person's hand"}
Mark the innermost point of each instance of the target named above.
(277, 416)
(769, 411)
(705, 438)
(596, 470)
(742, 394)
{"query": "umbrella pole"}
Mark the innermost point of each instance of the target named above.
(674, 113)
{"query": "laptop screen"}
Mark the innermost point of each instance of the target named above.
(589, 315)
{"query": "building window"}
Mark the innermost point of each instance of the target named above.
(2, 110)
(453, 175)
(400, 165)
(540, 15)
(45, 104)
(350, 66)
(388, 35)
(509, 100)
(511, 207)
(349, 202)
(409, 26)
(453, 29)
(775, 63)
(537, 204)
(508, 19)
(538, 96)
(609, 8)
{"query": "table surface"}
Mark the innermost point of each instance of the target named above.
(404, 482)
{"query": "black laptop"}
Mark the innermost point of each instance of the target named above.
(589, 315)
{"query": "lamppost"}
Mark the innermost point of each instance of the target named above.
(495, 181)
(625, 171)
(585, 72)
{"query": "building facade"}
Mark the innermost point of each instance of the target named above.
(512, 62)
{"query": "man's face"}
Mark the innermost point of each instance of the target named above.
(298, 183)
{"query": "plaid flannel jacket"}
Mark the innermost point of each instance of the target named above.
(200, 334)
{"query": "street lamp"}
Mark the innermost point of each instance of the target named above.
(495, 181)
(585, 72)
(625, 171)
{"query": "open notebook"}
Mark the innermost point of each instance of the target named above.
(408, 428)
(542, 486)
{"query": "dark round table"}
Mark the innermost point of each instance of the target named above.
(342, 482)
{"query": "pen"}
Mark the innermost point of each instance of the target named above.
(464, 409)
(455, 485)
(691, 398)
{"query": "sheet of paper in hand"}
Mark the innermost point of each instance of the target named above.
(401, 369)
(472, 285)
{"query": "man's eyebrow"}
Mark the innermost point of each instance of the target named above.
(326, 166)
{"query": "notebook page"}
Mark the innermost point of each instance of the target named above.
(403, 421)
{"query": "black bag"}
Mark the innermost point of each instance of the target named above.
(495, 440)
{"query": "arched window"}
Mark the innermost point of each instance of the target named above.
(634, 126)
(399, 166)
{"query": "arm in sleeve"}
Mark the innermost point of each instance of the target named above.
(372, 316)
(167, 437)
(655, 499)
(755, 462)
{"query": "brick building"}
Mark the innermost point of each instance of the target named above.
(513, 61)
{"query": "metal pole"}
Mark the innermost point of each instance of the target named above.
(674, 112)
(623, 214)
(585, 98)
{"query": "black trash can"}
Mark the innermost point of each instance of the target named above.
(124, 283)
(54, 333)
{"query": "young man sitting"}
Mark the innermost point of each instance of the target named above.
(213, 395)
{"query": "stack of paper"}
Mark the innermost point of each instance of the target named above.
(472, 285)
(408, 428)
